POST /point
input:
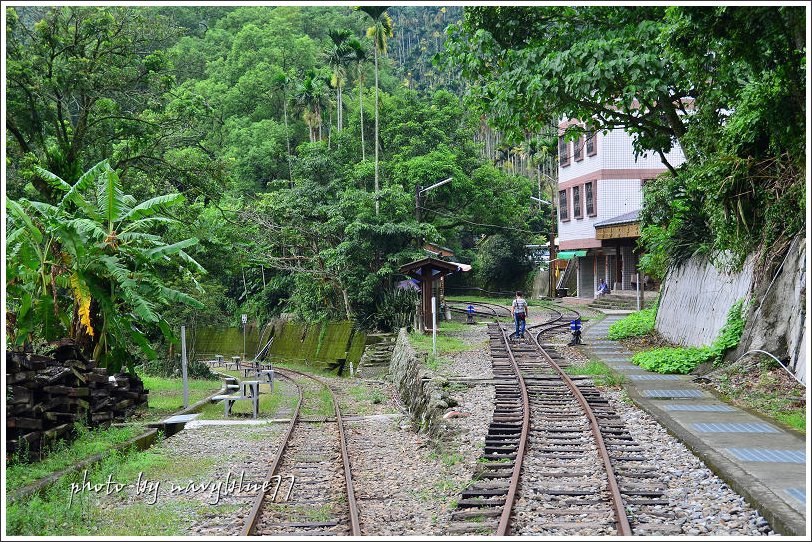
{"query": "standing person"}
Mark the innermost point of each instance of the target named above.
(519, 310)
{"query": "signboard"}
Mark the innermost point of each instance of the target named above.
(244, 319)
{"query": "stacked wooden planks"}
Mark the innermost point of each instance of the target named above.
(47, 395)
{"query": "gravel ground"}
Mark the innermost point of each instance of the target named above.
(405, 484)
(702, 504)
(472, 363)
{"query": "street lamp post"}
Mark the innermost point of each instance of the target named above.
(419, 191)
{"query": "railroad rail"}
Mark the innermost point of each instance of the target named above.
(547, 417)
(305, 477)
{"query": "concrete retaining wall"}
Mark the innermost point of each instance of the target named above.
(420, 391)
(695, 299)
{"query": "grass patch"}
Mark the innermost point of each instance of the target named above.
(59, 511)
(669, 360)
(767, 389)
(149, 520)
(445, 344)
(435, 363)
(451, 325)
(63, 454)
(318, 403)
(364, 398)
(318, 369)
(636, 324)
(166, 394)
(601, 374)
(52, 513)
(683, 360)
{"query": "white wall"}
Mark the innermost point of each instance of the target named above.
(618, 153)
(695, 300)
(614, 197)
(615, 151)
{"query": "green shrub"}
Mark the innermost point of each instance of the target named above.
(730, 334)
(636, 324)
(681, 360)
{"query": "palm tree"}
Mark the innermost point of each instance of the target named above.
(380, 31)
(310, 96)
(360, 56)
(338, 58)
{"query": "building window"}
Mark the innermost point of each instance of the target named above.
(578, 148)
(589, 198)
(576, 201)
(563, 151)
(563, 208)
(591, 148)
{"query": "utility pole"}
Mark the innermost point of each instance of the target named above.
(551, 270)
(553, 228)
(417, 190)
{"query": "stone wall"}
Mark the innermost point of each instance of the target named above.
(696, 298)
(420, 391)
(776, 320)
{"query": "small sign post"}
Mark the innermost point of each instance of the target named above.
(184, 363)
(244, 321)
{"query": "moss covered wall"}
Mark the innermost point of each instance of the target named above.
(319, 342)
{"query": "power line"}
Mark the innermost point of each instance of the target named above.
(480, 224)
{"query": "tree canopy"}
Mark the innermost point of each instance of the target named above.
(725, 83)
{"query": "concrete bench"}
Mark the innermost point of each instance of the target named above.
(229, 400)
(266, 375)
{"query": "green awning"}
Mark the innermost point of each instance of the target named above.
(569, 254)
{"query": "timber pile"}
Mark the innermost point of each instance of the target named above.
(46, 396)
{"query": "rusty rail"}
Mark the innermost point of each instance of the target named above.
(623, 527)
(504, 520)
(556, 321)
(253, 516)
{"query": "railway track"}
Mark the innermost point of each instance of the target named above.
(538, 473)
(309, 485)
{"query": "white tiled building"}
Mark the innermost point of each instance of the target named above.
(599, 197)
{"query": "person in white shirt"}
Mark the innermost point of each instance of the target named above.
(520, 312)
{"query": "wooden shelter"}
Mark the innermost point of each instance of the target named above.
(428, 271)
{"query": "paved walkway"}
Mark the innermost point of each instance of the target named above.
(761, 461)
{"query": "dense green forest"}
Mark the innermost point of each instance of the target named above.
(248, 135)
(183, 165)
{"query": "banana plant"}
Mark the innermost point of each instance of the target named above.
(90, 267)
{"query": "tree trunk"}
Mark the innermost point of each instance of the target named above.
(361, 108)
(377, 205)
(346, 303)
(287, 137)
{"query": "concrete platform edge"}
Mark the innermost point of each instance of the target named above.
(782, 518)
